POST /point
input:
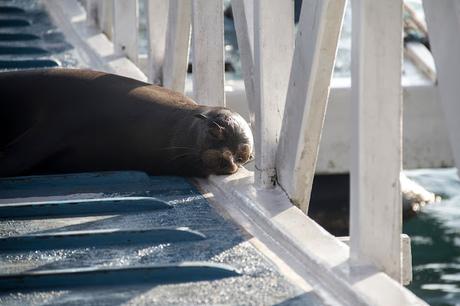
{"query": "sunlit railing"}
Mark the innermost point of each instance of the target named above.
(287, 75)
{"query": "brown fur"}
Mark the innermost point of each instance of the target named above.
(69, 120)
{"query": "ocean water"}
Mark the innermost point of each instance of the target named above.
(435, 235)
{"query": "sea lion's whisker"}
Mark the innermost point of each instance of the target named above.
(182, 155)
(174, 148)
(248, 161)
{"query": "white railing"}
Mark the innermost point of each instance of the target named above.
(287, 83)
(375, 211)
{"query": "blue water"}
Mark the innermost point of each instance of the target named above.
(435, 235)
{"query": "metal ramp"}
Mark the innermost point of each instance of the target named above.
(114, 237)
(28, 38)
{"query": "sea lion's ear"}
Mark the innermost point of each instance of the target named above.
(201, 116)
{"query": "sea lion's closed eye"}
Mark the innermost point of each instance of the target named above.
(216, 130)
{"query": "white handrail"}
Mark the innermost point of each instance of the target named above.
(243, 17)
(157, 22)
(208, 52)
(126, 28)
(376, 150)
(266, 43)
(443, 20)
(105, 16)
(177, 45)
(308, 92)
(273, 49)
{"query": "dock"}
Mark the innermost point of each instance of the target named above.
(130, 238)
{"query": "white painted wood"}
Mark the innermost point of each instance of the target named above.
(177, 45)
(208, 52)
(249, 14)
(91, 7)
(100, 14)
(425, 139)
(406, 257)
(311, 73)
(106, 18)
(273, 49)
(376, 153)
(422, 58)
(419, 22)
(93, 47)
(314, 254)
(243, 17)
(126, 28)
(443, 20)
(157, 21)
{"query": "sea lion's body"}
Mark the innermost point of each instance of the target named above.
(65, 120)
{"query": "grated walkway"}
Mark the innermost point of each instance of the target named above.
(153, 240)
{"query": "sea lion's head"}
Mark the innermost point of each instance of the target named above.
(227, 142)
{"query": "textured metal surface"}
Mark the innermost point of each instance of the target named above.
(221, 242)
(102, 237)
(28, 64)
(22, 51)
(91, 277)
(80, 207)
(13, 23)
(17, 36)
(11, 10)
(28, 38)
(63, 184)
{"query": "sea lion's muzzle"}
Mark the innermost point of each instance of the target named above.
(219, 161)
(225, 161)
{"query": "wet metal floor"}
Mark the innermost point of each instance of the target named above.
(29, 39)
(123, 237)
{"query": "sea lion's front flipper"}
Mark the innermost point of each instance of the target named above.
(27, 150)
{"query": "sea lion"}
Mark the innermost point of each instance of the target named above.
(72, 120)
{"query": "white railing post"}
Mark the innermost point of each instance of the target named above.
(157, 21)
(208, 52)
(243, 17)
(100, 14)
(273, 49)
(443, 21)
(376, 147)
(306, 101)
(106, 17)
(91, 8)
(126, 28)
(177, 45)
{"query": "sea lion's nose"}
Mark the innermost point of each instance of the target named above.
(228, 156)
(245, 148)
